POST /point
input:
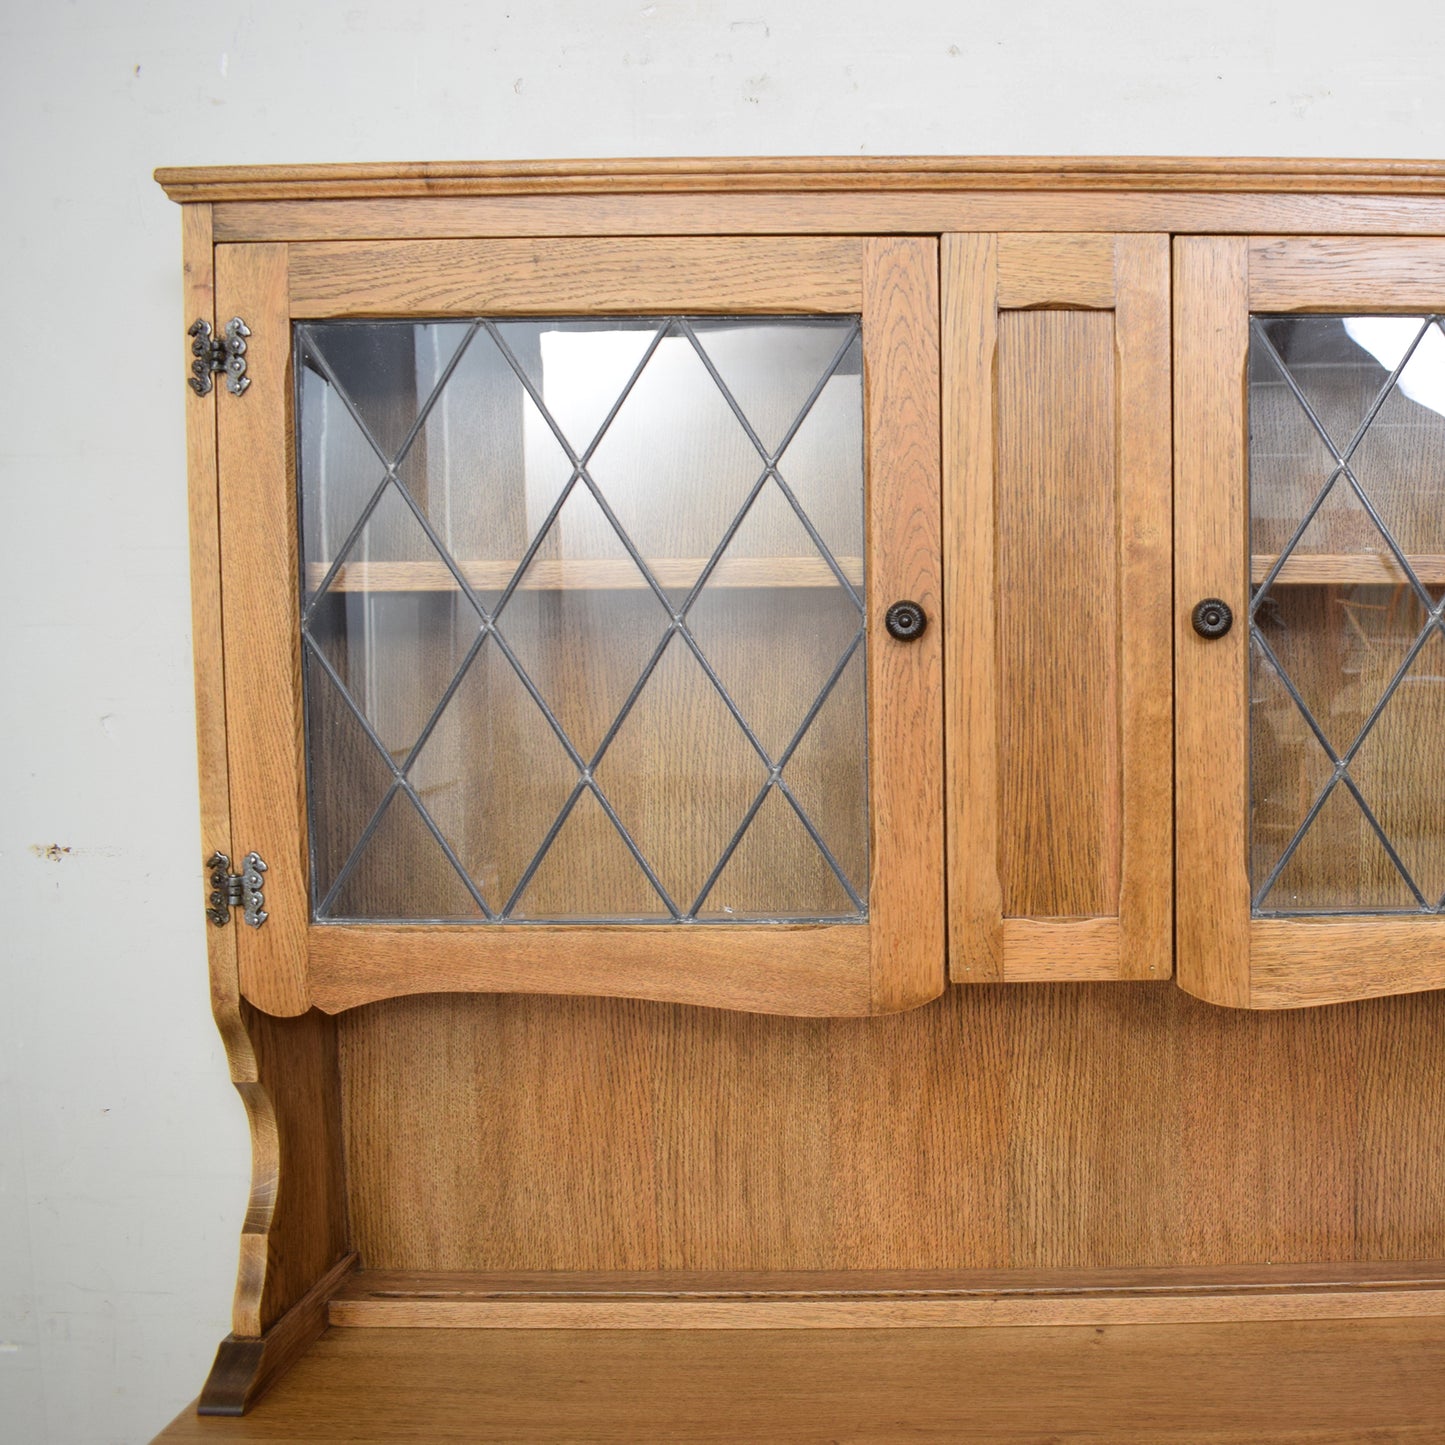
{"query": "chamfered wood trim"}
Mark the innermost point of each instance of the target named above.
(1145, 480)
(1301, 961)
(766, 173)
(245, 1366)
(1211, 326)
(1338, 273)
(601, 276)
(905, 680)
(1065, 271)
(970, 347)
(827, 213)
(878, 1299)
(258, 575)
(819, 970)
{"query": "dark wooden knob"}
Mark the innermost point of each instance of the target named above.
(1212, 618)
(905, 621)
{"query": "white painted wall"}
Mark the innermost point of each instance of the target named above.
(122, 1146)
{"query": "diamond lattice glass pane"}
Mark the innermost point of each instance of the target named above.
(1400, 769)
(340, 470)
(390, 553)
(589, 872)
(346, 792)
(485, 467)
(1400, 460)
(681, 773)
(493, 775)
(440, 499)
(1339, 378)
(777, 872)
(1288, 768)
(1341, 541)
(583, 621)
(772, 369)
(1340, 866)
(828, 773)
(773, 620)
(1340, 647)
(823, 464)
(386, 370)
(402, 872)
(580, 368)
(1346, 608)
(675, 465)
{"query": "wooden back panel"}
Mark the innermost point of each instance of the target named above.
(1056, 1126)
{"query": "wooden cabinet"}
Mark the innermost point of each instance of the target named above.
(546, 562)
(1310, 480)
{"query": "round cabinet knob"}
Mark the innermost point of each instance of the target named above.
(905, 621)
(1212, 618)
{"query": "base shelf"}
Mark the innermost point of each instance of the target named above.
(1260, 1383)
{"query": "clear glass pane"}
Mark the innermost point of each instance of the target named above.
(1347, 481)
(582, 618)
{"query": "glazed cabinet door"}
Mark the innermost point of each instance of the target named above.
(1310, 646)
(1056, 454)
(561, 646)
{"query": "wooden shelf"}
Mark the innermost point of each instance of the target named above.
(1284, 1382)
(603, 574)
(1324, 569)
(872, 1299)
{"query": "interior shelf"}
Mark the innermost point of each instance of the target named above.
(598, 574)
(1322, 569)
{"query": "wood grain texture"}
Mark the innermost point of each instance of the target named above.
(1224, 1281)
(904, 552)
(1074, 271)
(774, 968)
(970, 345)
(1299, 961)
(1211, 317)
(246, 1367)
(843, 1300)
(284, 1071)
(1143, 391)
(1059, 731)
(207, 639)
(827, 213)
(258, 572)
(963, 1312)
(803, 173)
(1284, 1383)
(1056, 949)
(1061, 1126)
(1336, 273)
(1057, 607)
(598, 276)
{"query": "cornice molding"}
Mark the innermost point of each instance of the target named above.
(803, 174)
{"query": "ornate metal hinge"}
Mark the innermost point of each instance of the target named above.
(224, 354)
(236, 890)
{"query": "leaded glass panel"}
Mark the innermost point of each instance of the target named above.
(582, 617)
(1347, 640)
